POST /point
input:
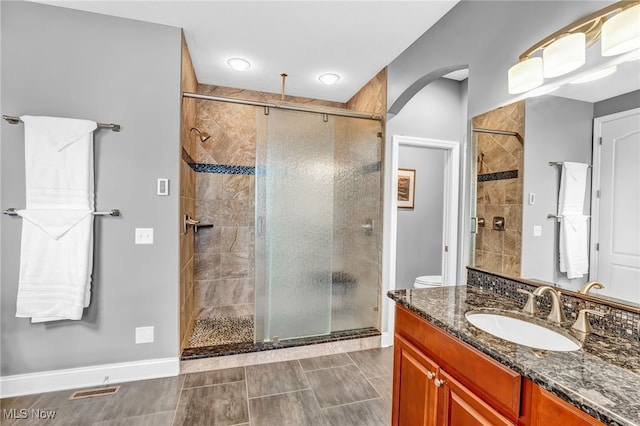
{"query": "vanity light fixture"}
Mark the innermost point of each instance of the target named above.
(329, 78)
(239, 64)
(565, 50)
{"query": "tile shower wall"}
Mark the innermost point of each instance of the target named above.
(187, 197)
(499, 191)
(225, 197)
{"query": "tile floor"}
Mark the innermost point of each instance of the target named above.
(346, 389)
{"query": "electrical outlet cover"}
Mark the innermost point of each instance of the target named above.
(144, 235)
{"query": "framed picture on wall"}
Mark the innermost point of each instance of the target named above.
(406, 188)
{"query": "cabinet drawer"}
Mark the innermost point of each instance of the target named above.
(496, 384)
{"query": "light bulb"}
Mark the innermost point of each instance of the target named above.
(239, 64)
(329, 78)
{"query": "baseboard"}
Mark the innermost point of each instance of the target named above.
(72, 378)
(386, 339)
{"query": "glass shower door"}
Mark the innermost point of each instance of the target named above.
(318, 198)
(294, 194)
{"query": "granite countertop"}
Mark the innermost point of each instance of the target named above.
(602, 378)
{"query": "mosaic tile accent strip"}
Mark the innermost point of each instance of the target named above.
(245, 347)
(511, 174)
(217, 331)
(616, 321)
(223, 169)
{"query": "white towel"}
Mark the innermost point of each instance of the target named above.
(59, 162)
(573, 247)
(55, 273)
(56, 254)
(573, 185)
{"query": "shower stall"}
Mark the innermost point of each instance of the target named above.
(318, 198)
(313, 212)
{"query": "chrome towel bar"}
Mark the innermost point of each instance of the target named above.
(15, 120)
(115, 212)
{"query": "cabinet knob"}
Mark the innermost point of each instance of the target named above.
(430, 375)
(438, 382)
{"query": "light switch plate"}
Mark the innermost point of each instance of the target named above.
(144, 235)
(163, 186)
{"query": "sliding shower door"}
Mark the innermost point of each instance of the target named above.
(317, 212)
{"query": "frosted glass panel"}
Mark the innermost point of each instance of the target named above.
(298, 223)
(317, 184)
(357, 203)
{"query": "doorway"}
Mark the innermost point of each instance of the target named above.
(450, 153)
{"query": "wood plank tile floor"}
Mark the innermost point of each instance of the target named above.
(346, 389)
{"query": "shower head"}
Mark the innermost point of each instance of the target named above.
(202, 135)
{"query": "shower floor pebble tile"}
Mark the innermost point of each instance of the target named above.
(220, 331)
(236, 396)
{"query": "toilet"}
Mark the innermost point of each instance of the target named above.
(428, 281)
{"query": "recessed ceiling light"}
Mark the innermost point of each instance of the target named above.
(239, 64)
(329, 78)
(595, 75)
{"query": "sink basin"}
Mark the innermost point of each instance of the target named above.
(523, 331)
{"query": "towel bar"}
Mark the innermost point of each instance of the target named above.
(560, 163)
(115, 212)
(15, 120)
(555, 216)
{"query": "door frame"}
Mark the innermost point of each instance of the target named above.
(450, 217)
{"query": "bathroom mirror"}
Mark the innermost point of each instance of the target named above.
(514, 181)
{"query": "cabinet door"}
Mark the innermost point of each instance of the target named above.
(549, 410)
(414, 392)
(459, 406)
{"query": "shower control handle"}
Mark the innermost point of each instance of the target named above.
(367, 226)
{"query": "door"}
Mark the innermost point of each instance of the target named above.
(615, 225)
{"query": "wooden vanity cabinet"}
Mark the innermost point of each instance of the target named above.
(439, 380)
(546, 409)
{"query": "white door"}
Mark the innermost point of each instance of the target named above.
(616, 213)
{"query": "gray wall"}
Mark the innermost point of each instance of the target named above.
(62, 62)
(434, 112)
(419, 238)
(556, 129)
(617, 104)
(488, 36)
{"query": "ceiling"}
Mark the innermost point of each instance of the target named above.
(304, 39)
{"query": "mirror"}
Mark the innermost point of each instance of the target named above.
(517, 188)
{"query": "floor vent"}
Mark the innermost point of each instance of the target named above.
(92, 393)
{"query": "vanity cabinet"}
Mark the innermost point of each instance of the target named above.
(439, 380)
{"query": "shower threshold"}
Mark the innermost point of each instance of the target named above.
(246, 347)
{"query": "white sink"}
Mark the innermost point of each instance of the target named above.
(521, 331)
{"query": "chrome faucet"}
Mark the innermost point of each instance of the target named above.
(588, 286)
(557, 312)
